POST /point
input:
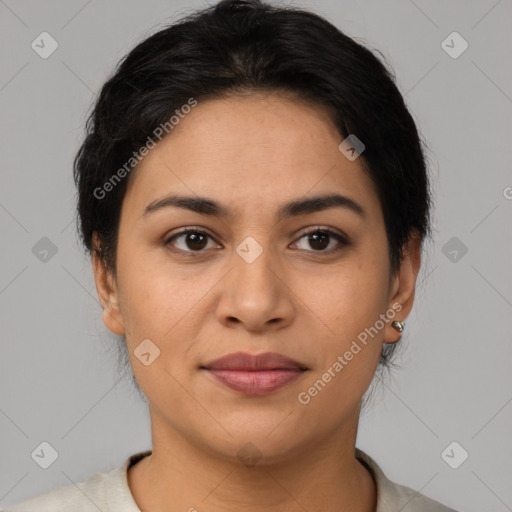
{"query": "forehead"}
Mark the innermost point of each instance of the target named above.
(254, 149)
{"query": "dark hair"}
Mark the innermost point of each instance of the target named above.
(241, 46)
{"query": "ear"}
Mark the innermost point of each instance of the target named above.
(107, 290)
(403, 285)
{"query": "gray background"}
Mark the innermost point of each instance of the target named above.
(57, 368)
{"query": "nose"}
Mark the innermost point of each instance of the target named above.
(255, 294)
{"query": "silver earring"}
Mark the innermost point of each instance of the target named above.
(399, 326)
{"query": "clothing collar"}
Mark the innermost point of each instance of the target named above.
(118, 490)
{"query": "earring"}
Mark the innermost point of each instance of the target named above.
(399, 326)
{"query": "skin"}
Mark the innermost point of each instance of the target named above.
(252, 153)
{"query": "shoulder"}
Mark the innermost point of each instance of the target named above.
(410, 500)
(81, 497)
(101, 491)
(392, 496)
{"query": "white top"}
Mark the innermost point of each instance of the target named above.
(109, 492)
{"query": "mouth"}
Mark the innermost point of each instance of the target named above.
(255, 374)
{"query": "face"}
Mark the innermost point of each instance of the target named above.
(246, 274)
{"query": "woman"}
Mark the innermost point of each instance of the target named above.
(254, 195)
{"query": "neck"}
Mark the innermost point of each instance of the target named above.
(179, 476)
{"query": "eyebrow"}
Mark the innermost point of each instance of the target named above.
(206, 206)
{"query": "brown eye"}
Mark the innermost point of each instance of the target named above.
(320, 239)
(189, 241)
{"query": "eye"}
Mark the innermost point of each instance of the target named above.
(194, 240)
(320, 238)
(191, 240)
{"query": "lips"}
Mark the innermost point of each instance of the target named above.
(255, 374)
(242, 361)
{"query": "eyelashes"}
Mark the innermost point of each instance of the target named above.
(199, 239)
(322, 233)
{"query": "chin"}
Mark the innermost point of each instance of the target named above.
(258, 446)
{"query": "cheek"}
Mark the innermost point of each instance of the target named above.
(350, 350)
(146, 296)
(156, 306)
(353, 298)
(160, 302)
(351, 303)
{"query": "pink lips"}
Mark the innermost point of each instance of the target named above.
(255, 374)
